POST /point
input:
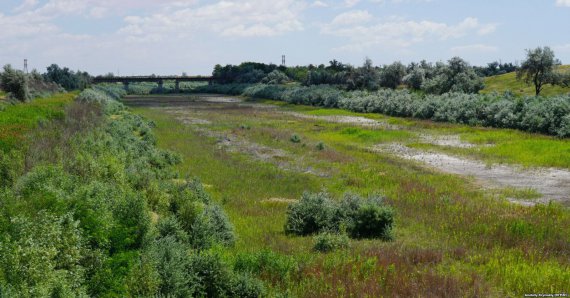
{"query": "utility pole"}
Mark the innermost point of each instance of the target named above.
(282, 60)
(26, 66)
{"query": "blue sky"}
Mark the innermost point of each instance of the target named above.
(174, 36)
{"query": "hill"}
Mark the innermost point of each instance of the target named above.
(508, 81)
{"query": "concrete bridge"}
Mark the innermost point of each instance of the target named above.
(154, 79)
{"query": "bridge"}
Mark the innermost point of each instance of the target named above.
(153, 79)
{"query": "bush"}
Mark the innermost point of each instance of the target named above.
(327, 242)
(372, 221)
(210, 227)
(362, 218)
(313, 213)
(15, 82)
(295, 138)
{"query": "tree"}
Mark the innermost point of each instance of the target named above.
(539, 68)
(392, 75)
(456, 76)
(15, 82)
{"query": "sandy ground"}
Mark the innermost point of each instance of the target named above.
(553, 184)
(360, 121)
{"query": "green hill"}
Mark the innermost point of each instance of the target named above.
(508, 81)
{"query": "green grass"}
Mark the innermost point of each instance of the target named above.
(494, 145)
(16, 120)
(450, 234)
(2, 95)
(508, 82)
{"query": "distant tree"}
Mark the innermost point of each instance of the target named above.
(365, 77)
(275, 77)
(539, 68)
(415, 78)
(66, 78)
(392, 75)
(455, 76)
(15, 82)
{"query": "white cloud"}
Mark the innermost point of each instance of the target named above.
(564, 3)
(227, 18)
(319, 4)
(473, 49)
(399, 33)
(351, 18)
(351, 3)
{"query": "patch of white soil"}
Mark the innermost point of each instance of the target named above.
(553, 184)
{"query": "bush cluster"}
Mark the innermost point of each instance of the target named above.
(547, 115)
(106, 215)
(359, 217)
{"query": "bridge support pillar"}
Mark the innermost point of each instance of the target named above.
(160, 86)
(177, 86)
(126, 86)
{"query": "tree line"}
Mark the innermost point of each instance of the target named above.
(22, 86)
(455, 75)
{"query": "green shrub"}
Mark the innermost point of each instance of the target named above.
(327, 241)
(372, 221)
(313, 213)
(245, 286)
(362, 218)
(295, 138)
(320, 146)
(210, 227)
(15, 82)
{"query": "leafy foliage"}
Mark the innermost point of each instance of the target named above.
(362, 218)
(538, 68)
(108, 217)
(327, 242)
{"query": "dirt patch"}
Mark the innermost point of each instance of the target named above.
(235, 143)
(279, 200)
(446, 140)
(553, 184)
(360, 121)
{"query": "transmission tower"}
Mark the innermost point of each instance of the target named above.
(26, 65)
(283, 60)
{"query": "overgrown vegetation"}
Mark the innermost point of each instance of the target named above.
(360, 218)
(90, 207)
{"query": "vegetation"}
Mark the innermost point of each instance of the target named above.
(67, 78)
(93, 208)
(509, 83)
(505, 250)
(539, 69)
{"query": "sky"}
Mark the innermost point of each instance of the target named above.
(168, 37)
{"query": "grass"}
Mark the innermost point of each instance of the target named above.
(16, 120)
(508, 82)
(452, 238)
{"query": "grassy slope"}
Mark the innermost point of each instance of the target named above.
(502, 83)
(16, 120)
(500, 252)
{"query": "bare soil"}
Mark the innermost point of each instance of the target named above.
(553, 184)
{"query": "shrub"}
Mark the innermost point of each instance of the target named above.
(320, 146)
(210, 227)
(372, 221)
(327, 241)
(15, 82)
(311, 214)
(362, 218)
(295, 138)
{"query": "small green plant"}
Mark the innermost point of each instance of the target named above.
(295, 138)
(327, 241)
(320, 146)
(245, 127)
